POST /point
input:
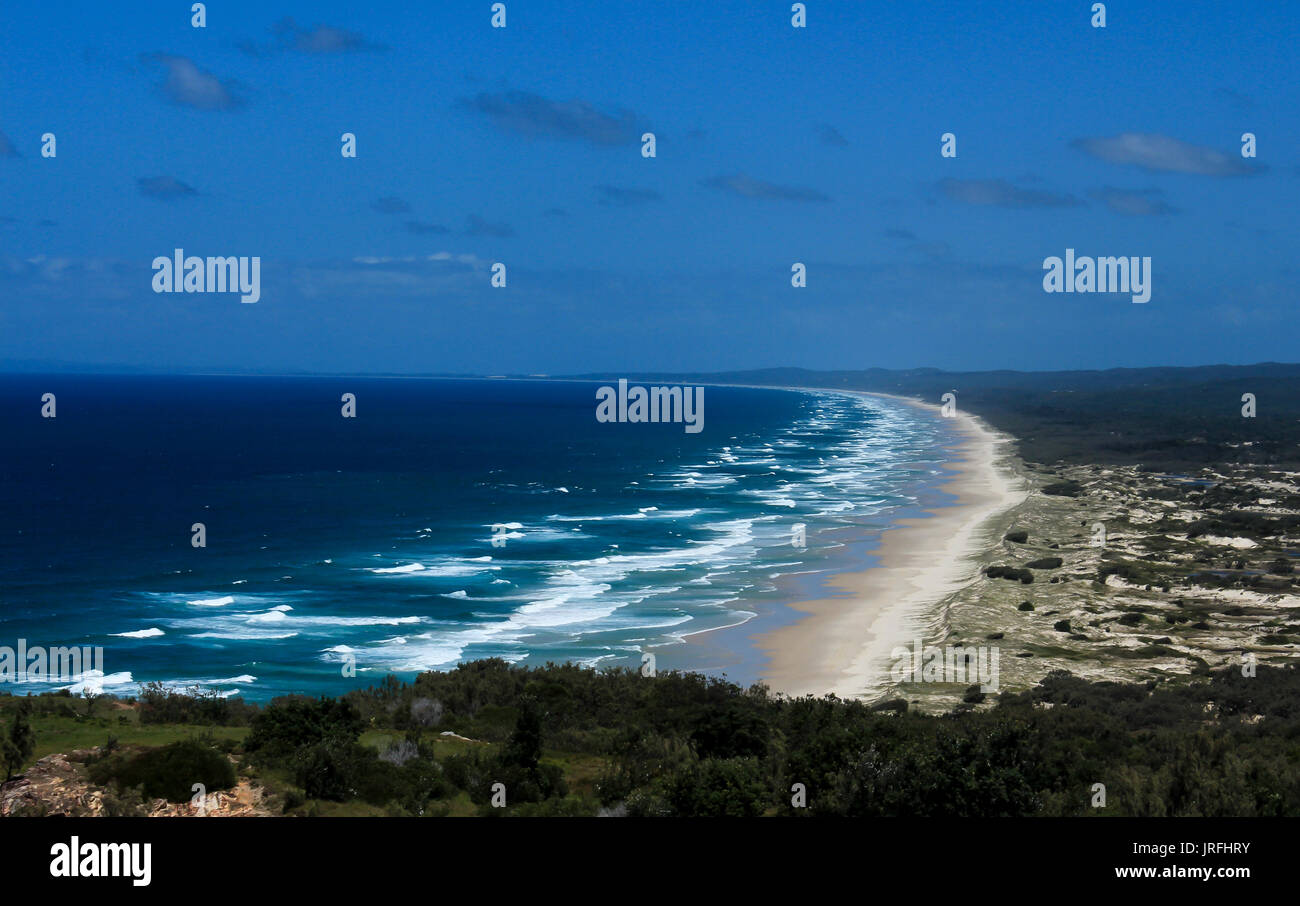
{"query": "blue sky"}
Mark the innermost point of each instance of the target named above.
(521, 145)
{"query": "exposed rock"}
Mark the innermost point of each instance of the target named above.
(53, 787)
(57, 786)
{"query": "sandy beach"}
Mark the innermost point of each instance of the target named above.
(843, 643)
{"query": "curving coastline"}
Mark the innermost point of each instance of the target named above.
(842, 644)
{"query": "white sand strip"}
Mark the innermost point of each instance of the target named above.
(843, 645)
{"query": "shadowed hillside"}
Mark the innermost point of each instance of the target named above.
(1162, 418)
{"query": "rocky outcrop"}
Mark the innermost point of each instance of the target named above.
(54, 786)
(57, 785)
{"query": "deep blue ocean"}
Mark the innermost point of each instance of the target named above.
(370, 539)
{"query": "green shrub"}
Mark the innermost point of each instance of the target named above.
(168, 772)
(290, 726)
(719, 788)
(160, 704)
(1045, 563)
(17, 745)
(1130, 572)
(332, 769)
(1009, 572)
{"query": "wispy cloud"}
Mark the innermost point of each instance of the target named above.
(318, 39)
(1136, 203)
(322, 39)
(164, 187)
(390, 204)
(477, 226)
(1160, 153)
(1239, 100)
(190, 86)
(934, 249)
(61, 278)
(534, 116)
(618, 196)
(1002, 194)
(747, 187)
(831, 136)
(442, 273)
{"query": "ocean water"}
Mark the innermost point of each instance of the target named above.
(370, 539)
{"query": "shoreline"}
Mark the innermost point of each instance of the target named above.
(841, 644)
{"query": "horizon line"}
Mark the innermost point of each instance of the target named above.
(109, 370)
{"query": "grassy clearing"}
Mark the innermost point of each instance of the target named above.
(64, 733)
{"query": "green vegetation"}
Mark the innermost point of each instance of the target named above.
(66, 723)
(199, 707)
(17, 745)
(1254, 525)
(1045, 563)
(1009, 572)
(562, 740)
(1128, 570)
(168, 772)
(1165, 419)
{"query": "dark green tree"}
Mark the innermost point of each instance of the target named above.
(290, 726)
(519, 766)
(20, 742)
(524, 747)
